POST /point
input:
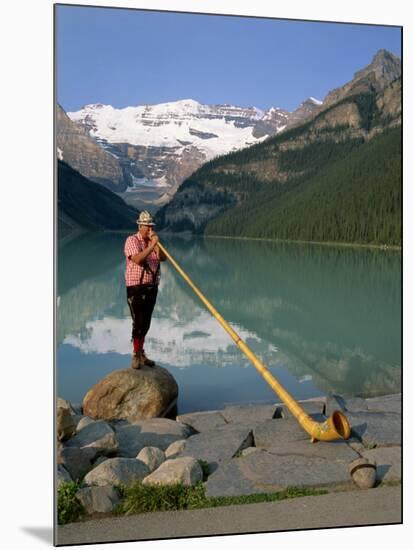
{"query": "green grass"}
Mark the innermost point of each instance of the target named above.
(68, 507)
(139, 498)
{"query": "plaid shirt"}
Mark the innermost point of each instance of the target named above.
(140, 274)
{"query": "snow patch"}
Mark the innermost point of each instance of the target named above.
(138, 183)
(316, 101)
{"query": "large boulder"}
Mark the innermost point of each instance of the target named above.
(202, 421)
(97, 436)
(376, 428)
(250, 414)
(265, 472)
(388, 462)
(98, 499)
(117, 470)
(175, 448)
(185, 470)
(156, 432)
(218, 446)
(83, 422)
(152, 457)
(78, 462)
(132, 395)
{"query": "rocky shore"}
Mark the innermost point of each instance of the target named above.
(249, 449)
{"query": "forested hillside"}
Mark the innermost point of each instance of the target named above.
(356, 198)
(88, 205)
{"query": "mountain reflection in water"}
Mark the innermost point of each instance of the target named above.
(323, 319)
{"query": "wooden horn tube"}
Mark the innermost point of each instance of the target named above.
(335, 427)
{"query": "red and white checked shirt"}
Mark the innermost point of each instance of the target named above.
(137, 274)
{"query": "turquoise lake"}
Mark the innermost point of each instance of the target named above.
(323, 319)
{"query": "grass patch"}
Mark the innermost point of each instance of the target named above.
(139, 498)
(291, 492)
(68, 507)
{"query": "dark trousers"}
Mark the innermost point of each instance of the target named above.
(141, 301)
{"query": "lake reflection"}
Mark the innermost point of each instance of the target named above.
(323, 319)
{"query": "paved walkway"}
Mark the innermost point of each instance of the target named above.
(375, 506)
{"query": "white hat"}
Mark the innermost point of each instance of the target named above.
(145, 218)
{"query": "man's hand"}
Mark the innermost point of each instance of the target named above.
(154, 239)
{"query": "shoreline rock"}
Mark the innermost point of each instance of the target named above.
(133, 395)
(248, 448)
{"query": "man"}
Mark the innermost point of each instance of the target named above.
(143, 257)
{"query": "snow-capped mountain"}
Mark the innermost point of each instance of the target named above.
(159, 145)
(213, 130)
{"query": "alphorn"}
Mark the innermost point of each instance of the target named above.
(335, 427)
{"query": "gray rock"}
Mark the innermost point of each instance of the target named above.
(271, 472)
(355, 404)
(249, 415)
(388, 462)
(345, 404)
(219, 445)
(98, 499)
(157, 432)
(202, 421)
(83, 422)
(97, 435)
(336, 451)
(334, 403)
(117, 470)
(277, 432)
(262, 472)
(100, 460)
(185, 470)
(230, 481)
(310, 406)
(386, 403)
(62, 475)
(375, 428)
(78, 462)
(175, 448)
(152, 457)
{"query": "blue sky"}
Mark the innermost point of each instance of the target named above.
(131, 57)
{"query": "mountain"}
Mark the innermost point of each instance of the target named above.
(84, 154)
(304, 111)
(84, 204)
(158, 146)
(356, 198)
(384, 68)
(247, 181)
